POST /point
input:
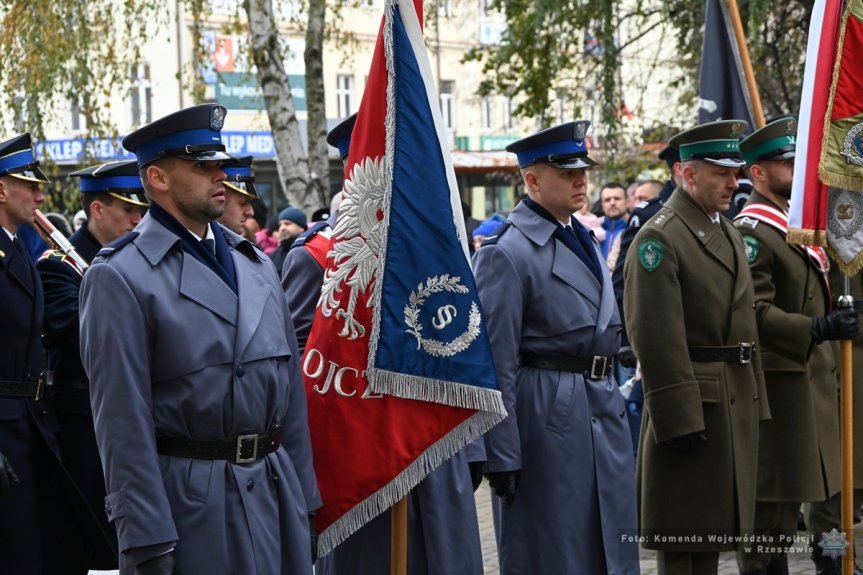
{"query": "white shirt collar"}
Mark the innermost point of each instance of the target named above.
(208, 235)
(10, 234)
(714, 217)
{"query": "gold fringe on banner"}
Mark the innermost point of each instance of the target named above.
(851, 268)
(806, 237)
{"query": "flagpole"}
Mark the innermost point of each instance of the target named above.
(399, 537)
(757, 112)
(847, 427)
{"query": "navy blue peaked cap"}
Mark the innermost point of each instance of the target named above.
(191, 134)
(562, 147)
(117, 179)
(241, 176)
(18, 160)
(340, 136)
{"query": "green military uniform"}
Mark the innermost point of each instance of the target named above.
(689, 314)
(799, 447)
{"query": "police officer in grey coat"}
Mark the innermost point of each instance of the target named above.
(443, 530)
(561, 462)
(199, 411)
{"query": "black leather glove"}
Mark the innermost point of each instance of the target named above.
(841, 323)
(626, 357)
(504, 483)
(160, 565)
(8, 476)
(313, 533)
(688, 442)
(475, 468)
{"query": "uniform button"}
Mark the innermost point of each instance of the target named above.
(275, 476)
(753, 306)
(250, 485)
(621, 413)
(108, 509)
(756, 398)
(241, 371)
(809, 296)
(593, 419)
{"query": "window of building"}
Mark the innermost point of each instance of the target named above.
(79, 121)
(345, 94)
(447, 104)
(486, 112)
(141, 96)
(507, 113)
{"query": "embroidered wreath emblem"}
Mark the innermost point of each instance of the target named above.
(416, 300)
(356, 245)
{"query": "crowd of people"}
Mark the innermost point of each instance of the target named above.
(666, 360)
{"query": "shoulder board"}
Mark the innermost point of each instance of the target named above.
(56, 255)
(662, 217)
(742, 221)
(308, 234)
(491, 240)
(118, 244)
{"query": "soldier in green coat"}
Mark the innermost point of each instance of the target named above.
(689, 314)
(799, 447)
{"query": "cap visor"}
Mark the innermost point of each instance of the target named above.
(134, 199)
(724, 162)
(249, 191)
(573, 164)
(37, 176)
(208, 157)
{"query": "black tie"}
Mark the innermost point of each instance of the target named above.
(210, 245)
(18, 245)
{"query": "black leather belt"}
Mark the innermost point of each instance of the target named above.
(741, 353)
(594, 366)
(52, 380)
(243, 449)
(32, 388)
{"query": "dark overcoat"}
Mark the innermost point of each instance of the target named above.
(798, 453)
(190, 358)
(688, 284)
(567, 434)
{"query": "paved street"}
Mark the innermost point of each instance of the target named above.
(798, 564)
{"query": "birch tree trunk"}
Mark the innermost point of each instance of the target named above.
(291, 161)
(319, 163)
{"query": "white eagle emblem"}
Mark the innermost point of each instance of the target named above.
(356, 244)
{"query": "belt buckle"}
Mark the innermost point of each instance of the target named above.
(598, 367)
(40, 388)
(239, 456)
(745, 353)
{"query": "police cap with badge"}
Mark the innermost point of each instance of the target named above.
(563, 146)
(241, 176)
(18, 160)
(117, 179)
(191, 134)
(717, 143)
(775, 141)
(340, 136)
